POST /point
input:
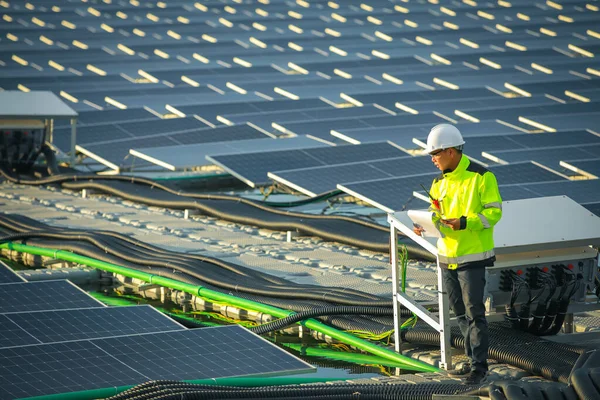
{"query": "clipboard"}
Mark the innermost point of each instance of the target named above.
(423, 219)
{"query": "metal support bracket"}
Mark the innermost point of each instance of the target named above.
(439, 322)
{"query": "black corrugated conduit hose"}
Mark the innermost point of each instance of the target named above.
(521, 349)
(181, 390)
(318, 312)
(583, 384)
(353, 231)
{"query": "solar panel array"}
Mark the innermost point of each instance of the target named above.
(253, 168)
(145, 75)
(55, 338)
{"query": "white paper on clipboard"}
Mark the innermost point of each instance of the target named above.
(423, 219)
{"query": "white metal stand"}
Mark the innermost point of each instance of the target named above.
(440, 322)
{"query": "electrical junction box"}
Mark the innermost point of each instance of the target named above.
(537, 236)
(548, 235)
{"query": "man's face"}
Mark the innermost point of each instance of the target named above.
(442, 159)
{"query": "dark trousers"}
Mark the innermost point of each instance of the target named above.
(465, 288)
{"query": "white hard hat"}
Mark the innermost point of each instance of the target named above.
(443, 136)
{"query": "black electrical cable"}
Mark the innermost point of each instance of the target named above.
(318, 312)
(211, 271)
(563, 307)
(538, 315)
(353, 231)
(209, 275)
(510, 313)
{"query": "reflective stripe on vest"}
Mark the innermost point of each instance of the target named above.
(467, 258)
(493, 205)
(484, 221)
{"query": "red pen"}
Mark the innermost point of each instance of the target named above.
(435, 202)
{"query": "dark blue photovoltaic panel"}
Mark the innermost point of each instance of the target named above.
(115, 152)
(266, 119)
(217, 352)
(193, 155)
(59, 368)
(313, 181)
(398, 135)
(45, 295)
(523, 173)
(67, 325)
(589, 166)
(389, 195)
(252, 168)
(7, 275)
(555, 139)
(581, 191)
(550, 157)
(202, 353)
(568, 121)
(392, 194)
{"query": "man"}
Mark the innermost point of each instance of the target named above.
(466, 205)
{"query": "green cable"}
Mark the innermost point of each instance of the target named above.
(342, 355)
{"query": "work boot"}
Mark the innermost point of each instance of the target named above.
(476, 377)
(463, 370)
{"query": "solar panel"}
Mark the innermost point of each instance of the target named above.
(252, 168)
(316, 180)
(393, 194)
(103, 363)
(584, 167)
(176, 157)
(473, 105)
(523, 172)
(398, 135)
(114, 116)
(7, 275)
(550, 157)
(59, 368)
(45, 295)
(581, 191)
(202, 353)
(113, 153)
(555, 139)
(265, 120)
(67, 325)
(566, 121)
(154, 127)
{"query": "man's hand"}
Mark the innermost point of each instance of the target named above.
(418, 230)
(453, 223)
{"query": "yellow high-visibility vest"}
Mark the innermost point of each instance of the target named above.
(469, 193)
